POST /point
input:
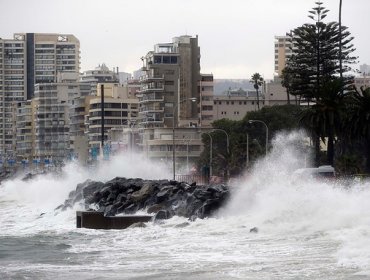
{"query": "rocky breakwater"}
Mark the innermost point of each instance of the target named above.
(162, 198)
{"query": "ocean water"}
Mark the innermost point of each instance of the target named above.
(306, 229)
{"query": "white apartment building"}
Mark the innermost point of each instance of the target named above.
(51, 121)
(365, 69)
(26, 60)
(101, 74)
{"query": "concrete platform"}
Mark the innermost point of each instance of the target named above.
(97, 220)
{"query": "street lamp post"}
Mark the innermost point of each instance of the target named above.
(267, 130)
(173, 134)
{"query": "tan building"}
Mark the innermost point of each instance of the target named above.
(363, 81)
(120, 110)
(172, 75)
(276, 94)
(234, 104)
(170, 96)
(206, 100)
(283, 50)
(188, 146)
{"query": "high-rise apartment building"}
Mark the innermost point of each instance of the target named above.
(51, 121)
(13, 83)
(283, 50)
(101, 74)
(365, 70)
(172, 74)
(170, 101)
(26, 60)
(206, 100)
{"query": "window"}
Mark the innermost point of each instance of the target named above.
(173, 59)
(169, 72)
(166, 59)
(207, 108)
(157, 59)
(207, 78)
(169, 83)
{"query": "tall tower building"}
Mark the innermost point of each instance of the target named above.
(172, 75)
(26, 60)
(170, 85)
(283, 50)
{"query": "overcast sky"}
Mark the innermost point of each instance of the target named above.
(236, 37)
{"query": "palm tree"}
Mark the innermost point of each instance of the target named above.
(286, 81)
(359, 120)
(257, 80)
(324, 119)
(340, 42)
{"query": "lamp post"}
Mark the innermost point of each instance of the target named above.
(193, 99)
(267, 130)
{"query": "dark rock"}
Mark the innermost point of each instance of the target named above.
(143, 193)
(208, 207)
(201, 194)
(254, 230)
(132, 208)
(182, 225)
(164, 194)
(155, 208)
(121, 197)
(111, 197)
(138, 225)
(163, 215)
(165, 198)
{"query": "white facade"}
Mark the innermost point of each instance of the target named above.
(26, 60)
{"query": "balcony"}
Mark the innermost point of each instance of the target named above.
(151, 109)
(149, 78)
(151, 121)
(151, 88)
(151, 98)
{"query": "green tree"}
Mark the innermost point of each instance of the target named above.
(324, 119)
(321, 51)
(257, 81)
(359, 120)
(286, 81)
(317, 48)
(277, 118)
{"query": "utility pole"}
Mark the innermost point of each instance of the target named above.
(102, 114)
